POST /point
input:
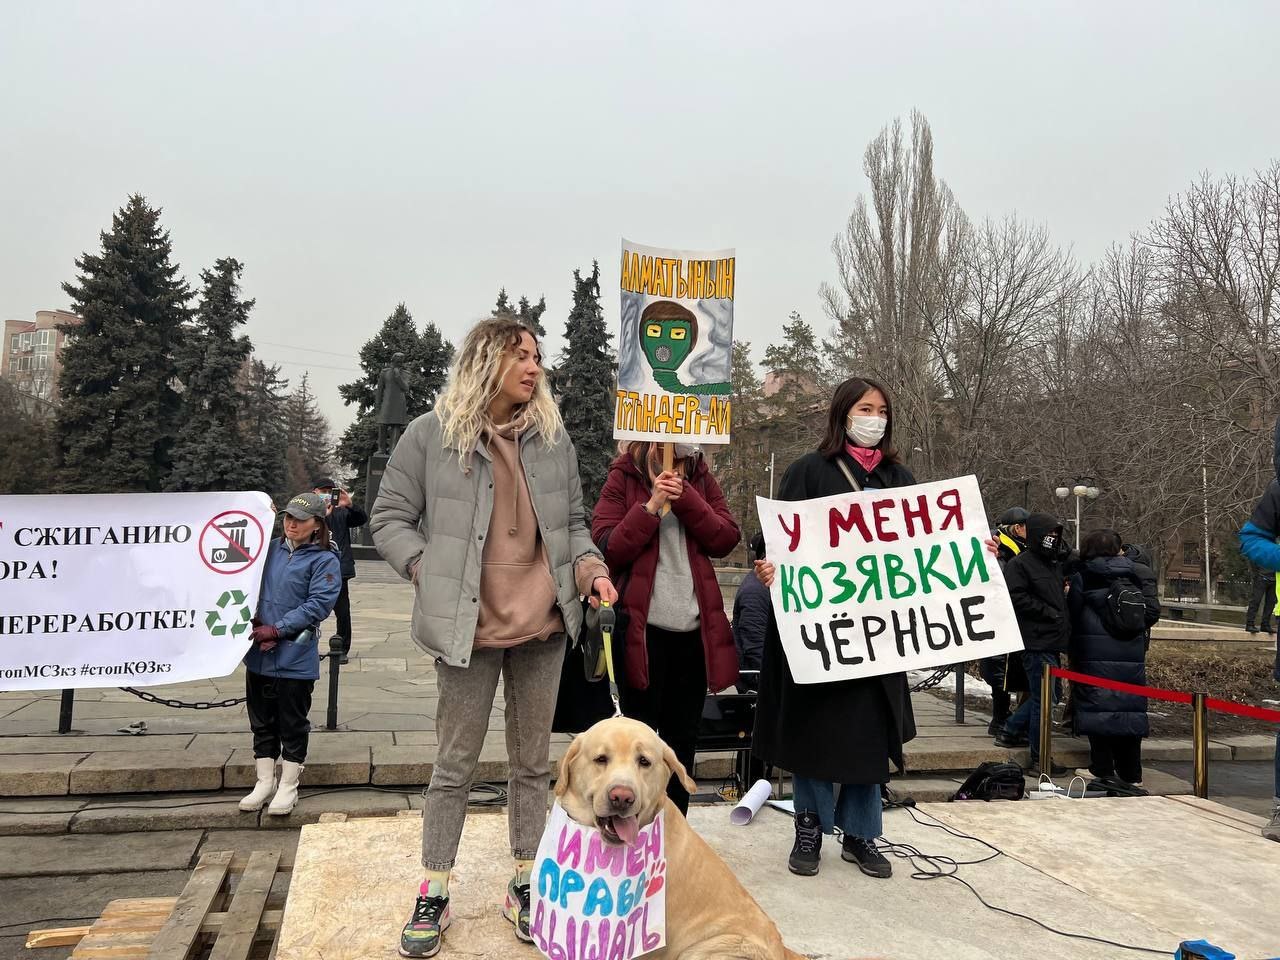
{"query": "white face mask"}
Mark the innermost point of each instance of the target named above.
(865, 431)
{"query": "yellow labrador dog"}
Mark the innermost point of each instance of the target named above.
(614, 777)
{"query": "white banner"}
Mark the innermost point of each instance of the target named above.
(128, 590)
(596, 899)
(886, 581)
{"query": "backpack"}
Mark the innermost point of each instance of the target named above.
(993, 780)
(1124, 612)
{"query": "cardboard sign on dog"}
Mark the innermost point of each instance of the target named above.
(591, 898)
(885, 581)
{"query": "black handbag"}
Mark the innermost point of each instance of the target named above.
(583, 700)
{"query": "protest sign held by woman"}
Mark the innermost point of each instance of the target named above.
(678, 639)
(838, 738)
(481, 507)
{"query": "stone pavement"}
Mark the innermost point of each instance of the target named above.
(386, 734)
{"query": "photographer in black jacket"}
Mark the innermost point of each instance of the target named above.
(344, 516)
(1037, 588)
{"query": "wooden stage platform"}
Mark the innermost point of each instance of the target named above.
(1149, 872)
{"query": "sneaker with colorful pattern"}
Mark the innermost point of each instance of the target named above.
(422, 934)
(516, 909)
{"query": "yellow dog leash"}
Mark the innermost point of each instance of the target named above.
(608, 620)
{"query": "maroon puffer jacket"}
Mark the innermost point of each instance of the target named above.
(627, 535)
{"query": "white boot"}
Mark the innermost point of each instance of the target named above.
(285, 798)
(265, 786)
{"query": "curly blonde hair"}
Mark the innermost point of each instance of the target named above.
(475, 378)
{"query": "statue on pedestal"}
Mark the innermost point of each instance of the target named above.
(391, 405)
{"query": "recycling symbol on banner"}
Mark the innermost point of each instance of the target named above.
(232, 616)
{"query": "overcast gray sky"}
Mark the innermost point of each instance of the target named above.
(431, 153)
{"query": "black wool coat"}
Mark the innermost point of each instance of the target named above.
(842, 732)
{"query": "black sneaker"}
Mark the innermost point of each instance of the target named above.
(516, 908)
(422, 934)
(1011, 740)
(864, 853)
(806, 853)
(1250, 628)
(1055, 769)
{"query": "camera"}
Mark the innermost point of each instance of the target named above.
(334, 495)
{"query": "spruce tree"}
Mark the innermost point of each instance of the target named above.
(27, 442)
(308, 435)
(426, 365)
(262, 394)
(584, 382)
(210, 450)
(118, 417)
(797, 405)
(527, 313)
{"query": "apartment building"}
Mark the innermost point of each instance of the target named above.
(31, 355)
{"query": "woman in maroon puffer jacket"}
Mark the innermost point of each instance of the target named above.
(678, 640)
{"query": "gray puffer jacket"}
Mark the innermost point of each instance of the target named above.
(428, 508)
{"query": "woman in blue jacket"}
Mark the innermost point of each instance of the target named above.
(300, 586)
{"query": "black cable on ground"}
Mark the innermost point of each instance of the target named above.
(31, 924)
(928, 867)
(939, 867)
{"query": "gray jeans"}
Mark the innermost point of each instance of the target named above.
(531, 678)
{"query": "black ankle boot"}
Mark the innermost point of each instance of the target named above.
(806, 853)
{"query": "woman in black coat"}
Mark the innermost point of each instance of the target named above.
(837, 739)
(1114, 722)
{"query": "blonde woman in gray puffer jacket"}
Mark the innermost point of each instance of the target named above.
(481, 507)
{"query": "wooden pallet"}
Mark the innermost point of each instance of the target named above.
(212, 917)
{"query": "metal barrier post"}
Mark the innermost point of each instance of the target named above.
(64, 711)
(960, 693)
(1200, 745)
(1046, 719)
(335, 666)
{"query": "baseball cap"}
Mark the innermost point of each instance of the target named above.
(324, 483)
(306, 505)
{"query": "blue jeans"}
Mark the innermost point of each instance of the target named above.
(1026, 719)
(858, 811)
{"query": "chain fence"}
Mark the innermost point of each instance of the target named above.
(182, 704)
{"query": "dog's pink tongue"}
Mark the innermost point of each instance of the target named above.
(627, 829)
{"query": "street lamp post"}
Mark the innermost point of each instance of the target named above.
(1079, 491)
(770, 469)
(1204, 501)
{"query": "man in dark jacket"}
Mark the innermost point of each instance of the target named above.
(1262, 600)
(1037, 588)
(1011, 537)
(1258, 542)
(344, 516)
(751, 619)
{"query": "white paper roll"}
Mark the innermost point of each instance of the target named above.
(741, 815)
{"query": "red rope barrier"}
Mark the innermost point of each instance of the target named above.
(1173, 696)
(1242, 709)
(1155, 693)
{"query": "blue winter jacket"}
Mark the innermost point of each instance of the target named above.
(1258, 537)
(299, 588)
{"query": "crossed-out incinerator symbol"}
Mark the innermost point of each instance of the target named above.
(232, 617)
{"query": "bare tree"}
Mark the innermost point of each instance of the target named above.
(891, 259)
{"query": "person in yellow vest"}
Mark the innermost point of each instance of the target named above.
(1011, 539)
